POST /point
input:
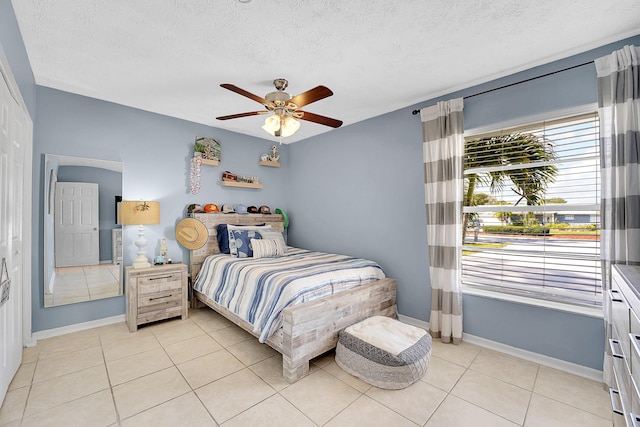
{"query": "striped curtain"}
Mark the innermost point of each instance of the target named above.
(443, 148)
(619, 111)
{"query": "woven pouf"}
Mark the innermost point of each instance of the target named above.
(384, 352)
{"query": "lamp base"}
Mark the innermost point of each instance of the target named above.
(141, 262)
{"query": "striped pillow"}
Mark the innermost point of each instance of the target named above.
(267, 248)
(270, 234)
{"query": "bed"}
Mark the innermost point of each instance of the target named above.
(301, 331)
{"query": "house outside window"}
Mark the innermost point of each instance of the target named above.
(532, 211)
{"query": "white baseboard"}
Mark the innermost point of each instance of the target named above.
(561, 365)
(415, 322)
(50, 333)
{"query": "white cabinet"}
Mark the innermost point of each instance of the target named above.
(624, 297)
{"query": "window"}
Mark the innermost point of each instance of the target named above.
(532, 211)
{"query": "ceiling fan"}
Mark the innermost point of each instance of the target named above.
(285, 108)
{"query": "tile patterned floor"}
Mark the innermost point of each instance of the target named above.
(205, 371)
(78, 284)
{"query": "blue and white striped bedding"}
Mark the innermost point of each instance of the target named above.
(258, 289)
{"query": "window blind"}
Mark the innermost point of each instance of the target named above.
(533, 213)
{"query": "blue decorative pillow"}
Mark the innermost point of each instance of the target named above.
(222, 235)
(240, 242)
(223, 238)
(240, 239)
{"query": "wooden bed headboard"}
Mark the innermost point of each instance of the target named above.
(211, 220)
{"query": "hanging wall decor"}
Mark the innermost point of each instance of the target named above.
(209, 147)
(206, 151)
(196, 172)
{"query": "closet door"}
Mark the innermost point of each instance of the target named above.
(15, 140)
(76, 224)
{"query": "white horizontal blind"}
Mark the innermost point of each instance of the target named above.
(558, 256)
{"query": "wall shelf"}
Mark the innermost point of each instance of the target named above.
(241, 184)
(269, 163)
(210, 162)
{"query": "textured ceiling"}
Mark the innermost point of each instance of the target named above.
(170, 56)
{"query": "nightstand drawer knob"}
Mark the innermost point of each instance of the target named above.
(162, 297)
(161, 277)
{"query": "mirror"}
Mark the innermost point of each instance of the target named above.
(82, 240)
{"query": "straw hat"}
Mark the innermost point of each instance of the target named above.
(191, 233)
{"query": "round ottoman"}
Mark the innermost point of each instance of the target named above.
(384, 352)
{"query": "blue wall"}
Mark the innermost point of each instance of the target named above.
(359, 190)
(355, 190)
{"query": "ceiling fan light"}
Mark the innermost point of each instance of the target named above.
(290, 126)
(271, 124)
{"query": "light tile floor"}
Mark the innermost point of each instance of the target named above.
(78, 284)
(205, 371)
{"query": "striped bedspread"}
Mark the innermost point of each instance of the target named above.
(257, 290)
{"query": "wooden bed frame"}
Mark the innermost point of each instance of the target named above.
(311, 328)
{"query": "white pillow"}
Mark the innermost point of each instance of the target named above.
(268, 234)
(267, 248)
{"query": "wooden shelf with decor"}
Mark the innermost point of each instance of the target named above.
(241, 184)
(210, 162)
(269, 163)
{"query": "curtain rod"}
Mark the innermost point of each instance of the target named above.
(415, 112)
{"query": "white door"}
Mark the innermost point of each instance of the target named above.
(76, 224)
(15, 134)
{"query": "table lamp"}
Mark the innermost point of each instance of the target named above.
(140, 213)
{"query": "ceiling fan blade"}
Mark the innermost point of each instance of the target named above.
(236, 89)
(312, 95)
(323, 120)
(235, 116)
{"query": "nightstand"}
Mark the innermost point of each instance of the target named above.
(155, 293)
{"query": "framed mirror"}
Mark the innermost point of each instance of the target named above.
(82, 237)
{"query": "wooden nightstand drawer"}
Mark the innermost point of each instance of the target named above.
(166, 299)
(153, 285)
(160, 306)
(155, 293)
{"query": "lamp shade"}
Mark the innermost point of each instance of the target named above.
(290, 126)
(139, 212)
(271, 124)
